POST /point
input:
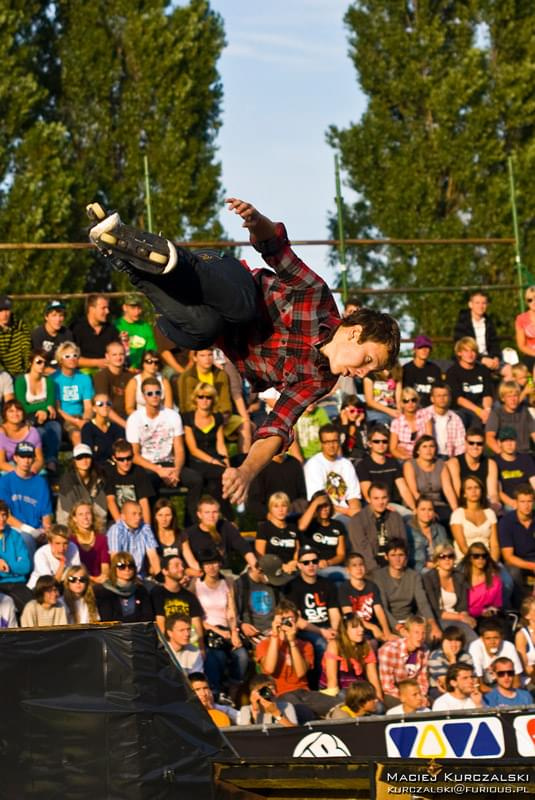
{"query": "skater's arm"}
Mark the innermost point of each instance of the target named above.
(259, 226)
(236, 481)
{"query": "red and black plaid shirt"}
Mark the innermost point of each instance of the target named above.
(296, 314)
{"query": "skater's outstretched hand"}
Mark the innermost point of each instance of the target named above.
(257, 224)
(235, 485)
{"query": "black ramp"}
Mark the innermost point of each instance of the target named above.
(99, 713)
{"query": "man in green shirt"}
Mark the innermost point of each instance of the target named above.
(136, 335)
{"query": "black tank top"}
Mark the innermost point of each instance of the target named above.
(481, 472)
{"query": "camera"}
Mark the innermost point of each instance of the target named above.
(266, 692)
(287, 622)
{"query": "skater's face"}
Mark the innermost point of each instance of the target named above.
(350, 358)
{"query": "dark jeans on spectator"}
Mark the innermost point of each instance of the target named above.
(191, 480)
(202, 297)
(19, 592)
(211, 475)
(218, 660)
(319, 643)
(50, 434)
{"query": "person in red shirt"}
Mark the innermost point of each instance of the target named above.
(280, 328)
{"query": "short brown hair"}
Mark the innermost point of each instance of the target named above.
(376, 327)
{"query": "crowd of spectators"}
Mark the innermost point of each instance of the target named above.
(385, 564)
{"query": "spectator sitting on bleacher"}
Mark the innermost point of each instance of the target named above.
(359, 595)
(424, 533)
(15, 564)
(123, 598)
(134, 397)
(373, 527)
(348, 658)
(264, 707)
(211, 531)
(307, 429)
(36, 392)
(377, 467)
(443, 424)
(429, 475)
(166, 528)
(470, 383)
(78, 597)
(221, 715)
(47, 608)
(504, 692)
(447, 592)
(474, 323)
(130, 534)
(204, 370)
(74, 391)
(178, 633)
(157, 438)
(112, 380)
(485, 586)
(328, 471)
(27, 497)
(327, 535)
(510, 413)
(408, 427)
(462, 690)
(92, 332)
(277, 535)
(258, 591)
(524, 330)
(412, 699)
(139, 334)
(46, 338)
(81, 481)
(6, 388)
(450, 651)
(171, 597)
(491, 645)
(15, 428)
(382, 394)
(514, 468)
(404, 657)
(421, 374)
(15, 343)
(92, 545)
(473, 521)
(360, 701)
(124, 480)
(516, 531)
(351, 422)
(473, 462)
(54, 557)
(284, 473)
(100, 432)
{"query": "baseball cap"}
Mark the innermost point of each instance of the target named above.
(5, 302)
(271, 566)
(306, 550)
(25, 449)
(422, 341)
(82, 450)
(132, 300)
(507, 432)
(55, 305)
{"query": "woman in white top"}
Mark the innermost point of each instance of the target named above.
(525, 638)
(472, 522)
(150, 368)
(78, 597)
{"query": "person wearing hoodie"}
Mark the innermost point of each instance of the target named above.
(15, 564)
(123, 598)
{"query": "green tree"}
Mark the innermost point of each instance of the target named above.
(428, 159)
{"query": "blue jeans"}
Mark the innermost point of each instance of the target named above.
(217, 661)
(319, 643)
(50, 434)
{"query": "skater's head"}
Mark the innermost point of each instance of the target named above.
(365, 341)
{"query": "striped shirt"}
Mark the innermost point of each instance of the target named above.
(15, 347)
(136, 542)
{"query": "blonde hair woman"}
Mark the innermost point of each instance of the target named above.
(92, 545)
(276, 536)
(409, 426)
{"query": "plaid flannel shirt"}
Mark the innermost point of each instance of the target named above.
(393, 668)
(455, 431)
(281, 348)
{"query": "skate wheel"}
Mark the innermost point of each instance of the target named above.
(107, 238)
(95, 211)
(158, 258)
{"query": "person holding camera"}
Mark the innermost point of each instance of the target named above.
(265, 708)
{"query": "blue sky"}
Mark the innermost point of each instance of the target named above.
(286, 77)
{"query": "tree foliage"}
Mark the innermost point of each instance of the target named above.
(86, 91)
(450, 97)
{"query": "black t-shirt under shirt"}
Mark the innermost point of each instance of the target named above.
(421, 379)
(324, 538)
(166, 603)
(279, 541)
(313, 599)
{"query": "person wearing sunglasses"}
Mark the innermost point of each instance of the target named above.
(123, 597)
(525, 330)
(470, 383)
(157, 438)
(16, 428)
(124, 480)
(36, 392)
(46, 609)
(81, 481)
(100, 432)
(489, 646)
(447, 592)
(134, 396)
(74, 392)
(504, 692)
(473, 462)
(482, 576)
(55, 557)
(139, 334)
(78, 597)
(408, 426)
(378, 466)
